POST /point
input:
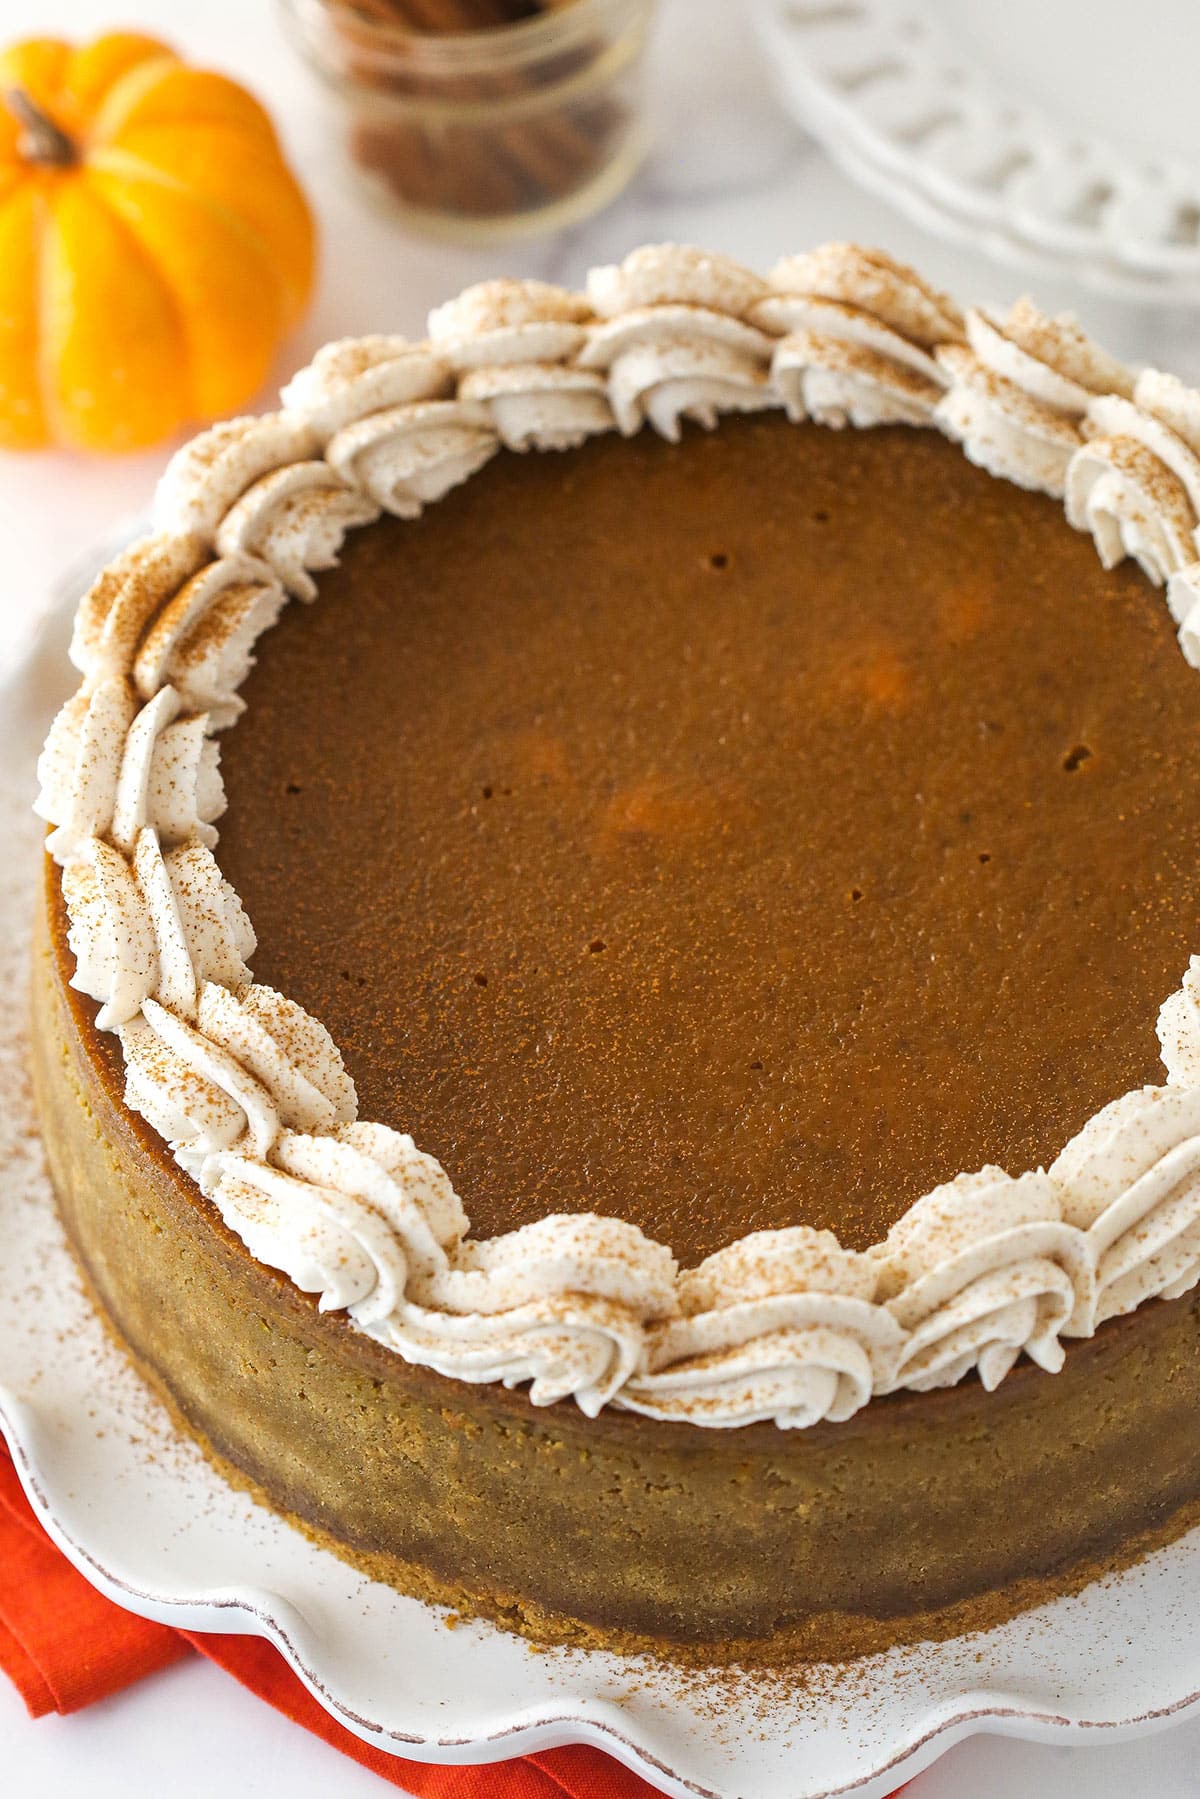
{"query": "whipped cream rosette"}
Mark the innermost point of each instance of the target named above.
(839, 381)
(1019, 390)
(126, 597)
(1003, 429)
(212, 472)
(356, 376)
(406, 457)
(80, 765)
(1135, 482)
(979, 1271)
(540, 405)
(514, 347)
(872, 282)
(672, 338)
(276, 1065)
(286, 1049)
(170, 776)
(1132, 504)
(384, 1169)
(673, 274)
(390, 423)
(333, 1244)
(562, 1303)
(200, 928)
(383, 1214)
(564, 1346)
(176, 1076)
(295, 519)
(252, 487)
(781, 1325)
(110, 934)
(196, 1099)
(857, 332)
(1050, 358)
(509, 321)
(1131, 1181)
(201, 641)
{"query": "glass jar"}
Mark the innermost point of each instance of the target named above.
(482, 134)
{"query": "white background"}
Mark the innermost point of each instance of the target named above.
(731, 172)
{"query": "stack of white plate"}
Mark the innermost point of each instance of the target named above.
(1062, 134)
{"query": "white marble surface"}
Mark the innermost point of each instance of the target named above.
(731, 172)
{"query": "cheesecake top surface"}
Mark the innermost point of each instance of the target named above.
(726, 835)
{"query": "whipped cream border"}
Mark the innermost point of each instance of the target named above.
(250, 1092)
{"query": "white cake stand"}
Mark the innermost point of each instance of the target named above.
(150, 1524)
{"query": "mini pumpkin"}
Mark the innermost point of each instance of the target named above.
(154, 245)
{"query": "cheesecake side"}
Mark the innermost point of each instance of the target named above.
(924, 1516)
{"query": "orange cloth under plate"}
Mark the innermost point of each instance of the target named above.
(64, 1646)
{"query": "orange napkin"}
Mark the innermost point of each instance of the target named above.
(61, 1644)
(64, 1646)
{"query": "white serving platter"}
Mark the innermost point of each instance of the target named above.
(144, 1517)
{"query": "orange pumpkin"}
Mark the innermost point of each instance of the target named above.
(154, 245)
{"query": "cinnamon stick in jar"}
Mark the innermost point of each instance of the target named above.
(478, 137)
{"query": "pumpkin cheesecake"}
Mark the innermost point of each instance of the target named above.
(647, 1094)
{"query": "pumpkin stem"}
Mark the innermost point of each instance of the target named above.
(41, 140)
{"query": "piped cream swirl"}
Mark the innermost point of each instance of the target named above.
(673, 340)
(979, 1271)
(356, 376)
(1130, 1181)
(857, 331)
(406, 457)
(1019, 390)
(514, 347)
(1135, 481)
(126, 597)
(202, 639)
(781, 1325)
